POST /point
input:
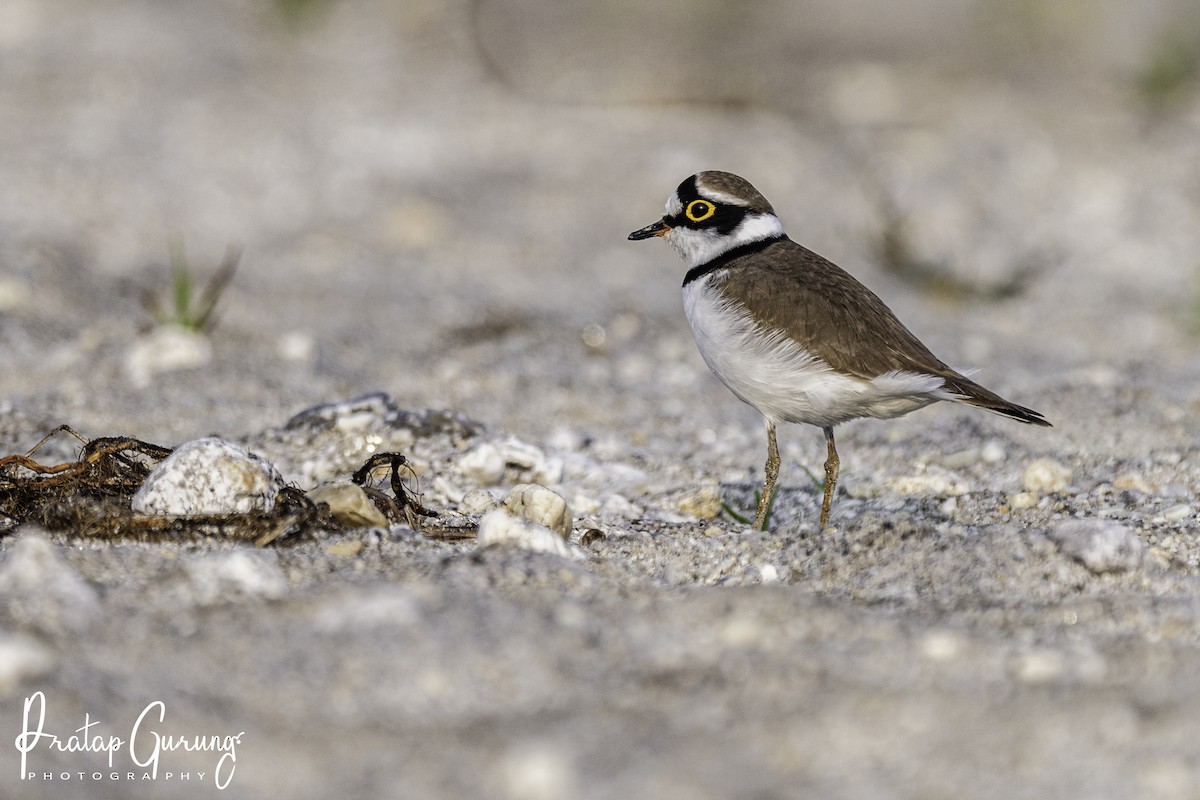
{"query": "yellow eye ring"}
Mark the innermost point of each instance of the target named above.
(699, 210)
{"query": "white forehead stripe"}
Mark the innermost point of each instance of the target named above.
(721, 197)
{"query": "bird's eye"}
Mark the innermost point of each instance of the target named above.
(699, 210)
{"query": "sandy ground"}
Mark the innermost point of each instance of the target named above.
(431, 203)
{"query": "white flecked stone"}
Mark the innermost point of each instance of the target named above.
(541, 505)
(501, 527)
(1100, 545)
(209, 477)
(1046, 475)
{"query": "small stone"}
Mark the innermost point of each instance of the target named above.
(1100, 545)
(1022, 500)
(941, 645)
(1129, 481)
(522, 454)
(1046, 475)
(704, 503)
(167, 348)
(477, 501)
(993, 452)
(541, 505)
(1039, 666)
(209, 477)
(349, 505)
(446, 489)
(961, 459)
(1177, 513)
(41, 590)
(584, 505)
(296, 346)
(548, 472)
(931, 483)
(501, 527)
(483, 464)
(769, 573)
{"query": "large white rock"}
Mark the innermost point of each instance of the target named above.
(209, 477)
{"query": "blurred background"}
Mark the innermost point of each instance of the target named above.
(431, 198)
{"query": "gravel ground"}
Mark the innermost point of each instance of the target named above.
(431, 202)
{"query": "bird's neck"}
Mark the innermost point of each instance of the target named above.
(700, 247)
(749, 248)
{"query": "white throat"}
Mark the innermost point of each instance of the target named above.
(698, 247)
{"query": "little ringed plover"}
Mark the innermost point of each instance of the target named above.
(792, 334)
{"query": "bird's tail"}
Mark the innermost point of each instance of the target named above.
(971, 393)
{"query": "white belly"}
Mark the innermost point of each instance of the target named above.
(786, 383)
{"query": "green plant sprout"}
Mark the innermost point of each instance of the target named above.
(190, 311)
(747, 519)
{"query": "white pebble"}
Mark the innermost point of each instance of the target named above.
(349, 505)
(537, 771)
(522, 454)
(209, 477)
(547, 472)
(704, 503)
(769, 573)
(1046, 475)
(296, 346)
(167, 348)
(444, 488)
(539, 504)
(941, 645)
(993, 452)
(483, 464)
(931, 483)
(1100, 545)
(1039, 666)
(585, 506)
(500, 527)
(1023, 500)
(1177, 513)
(476, 501)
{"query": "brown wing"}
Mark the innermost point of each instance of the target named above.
(831, 315)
